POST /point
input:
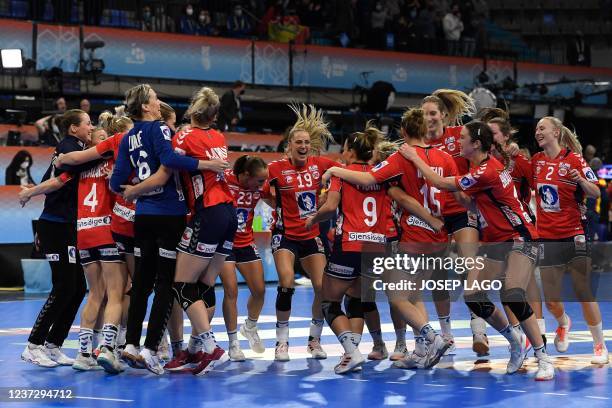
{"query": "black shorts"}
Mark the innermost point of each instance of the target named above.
(102, 253)
(125, 244)
(344, 265)
(559, 252)
(499, 251)
(244, 254)
(210, 231)
(456, 222)
(301, 249)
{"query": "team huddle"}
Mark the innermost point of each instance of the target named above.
(148, 208)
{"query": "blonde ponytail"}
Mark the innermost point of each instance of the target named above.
(310, 120)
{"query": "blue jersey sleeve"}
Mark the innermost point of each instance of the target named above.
(162, 143)
(123, 167)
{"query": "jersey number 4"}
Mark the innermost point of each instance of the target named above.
(91, 199)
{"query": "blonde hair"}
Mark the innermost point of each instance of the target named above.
(414, 124)
(166, 111)
(567, 138)
(455, 104)
(135, 97)
(386, 148)
(310, 120)
(364, 143)
(488, 114)
(113, 124)
(204, 106)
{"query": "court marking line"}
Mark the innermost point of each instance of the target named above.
(556, 393)
(395, 382)
(102, 399)
(435, 385)
(286, 375)
(596, 397)
(475, 388)
(357, 379)
(514, 391)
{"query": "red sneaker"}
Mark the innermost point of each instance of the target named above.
(183, 360)
(210, 361)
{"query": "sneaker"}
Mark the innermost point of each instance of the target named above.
(600, 354)
(562, 337)
(518, 355)
(55, 354)
(400, 351)
(235, 353)
(184, 360)
(163, 351)
(210, 361)
(36, 355)
(85, 363)
(281, 352)
(411, 361)
(152, 361)
(480, 344)
(96, 352)
(546, 369)
(252, 336)
(379, 351)
(452, 348)
(435, 351)
(349, 362)
(315, 349)
(108, 360)
(303, 281)
(131, 355)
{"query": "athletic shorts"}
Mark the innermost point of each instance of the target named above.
(559, 252)
(244, 254)
(499, 251)
(301, 249)
(102, 253)
(211, 230)
(125, 244)
(344, 265)
(456, 222)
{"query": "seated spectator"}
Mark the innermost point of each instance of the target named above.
(146, 24)
(205, 27)
(238, 24)
(85, 106)
(18, 172)
(188, 24)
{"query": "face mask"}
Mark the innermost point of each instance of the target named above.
(25, 164)
(202, 18)
(189, 11)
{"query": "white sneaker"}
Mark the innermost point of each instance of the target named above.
(36, 355)
(131, 355)
(452, 348)
(480, 344)
(349, 362)
(400, 351)
(303, 281)
(411, 361)
(163, 351)
(546, 369)
(600, 354)
(315, 349)
(435, 350)
(152, 362)
(86, 363)
(379, 351)
(235, 353)
(562, 336)
(252, 336)
(281, 352)
(108, 360)
(518, 354)
(55, 354)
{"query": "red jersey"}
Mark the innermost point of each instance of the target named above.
(501, 214)
(245, 202)
(559, 198)
(393, 218)
(522, 175)
(363, 213)
(398, 168)
(204, 188)
(122, 221)
(449, 143)
(297, 193)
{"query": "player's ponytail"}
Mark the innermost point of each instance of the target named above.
(385, 149)
(310, 120)
(113, 124)
(455, 104)
(567, 138)
(364, 143)
(135, 97)
(413, 124)
(166, 111)
(105, 120)
(480, 131)
(487, 114)
(204, 107)
(249, 164)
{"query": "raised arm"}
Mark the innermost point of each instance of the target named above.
(359, 178)
(48, 186)
(78, 157)
(445, 183)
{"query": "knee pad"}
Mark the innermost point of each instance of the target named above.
(331, 310)
(353, 307)
(207, 294)
(368, 307)
(283, 298)
(186, 294)
(480, 304)
(516, 300)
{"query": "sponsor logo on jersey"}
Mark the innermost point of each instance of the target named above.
(83, 253)
(451, 147)
(549, 197)
(206, 248)
(92, 222)
(287, 172)
(367, 237)
(319, 243)
(417, 222)
(72, 255)
(316, 175)
(166, 253)
(228, 245)
(242, 214)
(380, 165)
(580, 243)
(166, 132)
(506, 178)
(288, 179)
(513, 217)
(450, 139)
(313, 167)
(186, 236)
(589, 174)
(276, 240)
(97, 172)
(562, 171)
(467, 181)
(123, 212)
(109, 252)
(340, 269)
(472, 219)
(52, 257)
(307, 203)
(538, 169)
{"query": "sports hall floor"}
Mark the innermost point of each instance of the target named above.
(457, 381)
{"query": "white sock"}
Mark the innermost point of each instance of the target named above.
(250, 323)
(563, 320)
(419, 345)
(208, 341)
(316, 328)
(540, 352)
(121, 336)
(597, 333)
(282, 331)
(511, 334)
(356, 339)
(194, 345)
(542, 326)
(233, 335)
(346, 339)
(445, 324)
(109, 332)
(85, 340)
(428, 333)
(478, 326)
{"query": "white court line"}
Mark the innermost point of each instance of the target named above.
(514, 391)
(286, 375)
(475, 388)
(555, 393)
(103, 399)
(599, 398)
(395, 382)
(435, 385)
(357, 379)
